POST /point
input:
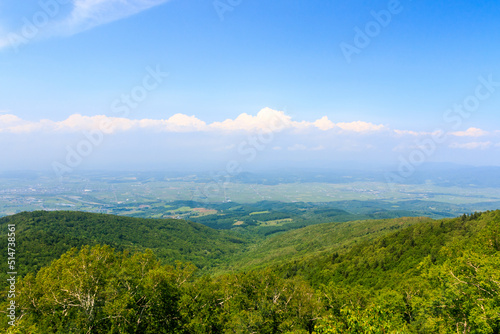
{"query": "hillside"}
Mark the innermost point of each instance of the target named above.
(315, 240)
(390, 259)
(392, 276)
(44, 236)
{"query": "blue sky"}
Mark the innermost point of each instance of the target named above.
(66, 65)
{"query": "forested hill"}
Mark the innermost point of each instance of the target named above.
(428, 277)
(316, 241)
(394, 258)
(44, 236)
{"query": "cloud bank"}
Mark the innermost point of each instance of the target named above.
(267, 137)
(266, 120)
(322, 133)
(470, 132)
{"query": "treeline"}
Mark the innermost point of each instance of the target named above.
(431, 277)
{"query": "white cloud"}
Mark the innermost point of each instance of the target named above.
(106, 124)
(184, 123)
(183, 135)
(401, 133)
(269, 120)
(77, 122)
(324, 124)
(9, 119)
(360, 126)
(406, 132)
(472, 145)
(415, 133)
(470, 132)
(80, 16)
(266, 120)
(87, 14)
(14, 124)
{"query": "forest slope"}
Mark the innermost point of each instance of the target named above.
(315, 240)
(44, 236)
(432, 277)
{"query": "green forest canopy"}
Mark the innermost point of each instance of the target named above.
(431, 277)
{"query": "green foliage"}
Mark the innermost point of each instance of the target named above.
(96, 290)
(467, 283)
(385, 261)
(263, 302)
(445, 279)
(370, 320)
(45, 236)
(317, 240)
(389, 276)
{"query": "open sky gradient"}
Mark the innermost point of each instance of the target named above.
(157, 84)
